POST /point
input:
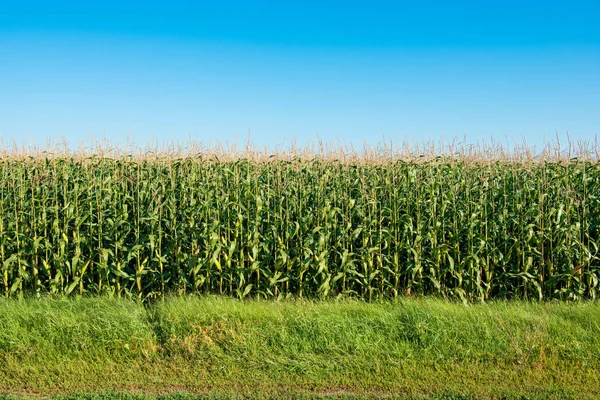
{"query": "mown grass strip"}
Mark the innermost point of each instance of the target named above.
(557, 394)
(217, 345)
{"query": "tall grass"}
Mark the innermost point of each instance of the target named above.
(468, 224)
(301, 348)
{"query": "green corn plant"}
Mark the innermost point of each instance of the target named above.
(150, 225)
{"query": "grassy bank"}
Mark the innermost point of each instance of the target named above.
(224, 347)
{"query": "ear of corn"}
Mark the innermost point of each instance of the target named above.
(451, 227)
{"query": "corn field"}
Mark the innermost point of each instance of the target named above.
(453, 227)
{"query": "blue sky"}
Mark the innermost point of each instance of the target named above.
(355, 71)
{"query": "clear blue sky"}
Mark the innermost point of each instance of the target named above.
(351, 70)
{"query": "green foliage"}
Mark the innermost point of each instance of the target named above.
(219, 347)
(453, 228)
(100, 327)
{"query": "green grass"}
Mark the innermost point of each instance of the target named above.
(184, 396)
(212, 347)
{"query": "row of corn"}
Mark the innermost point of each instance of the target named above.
(448, 227)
